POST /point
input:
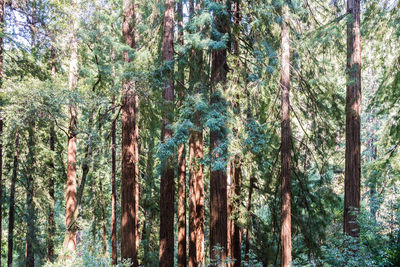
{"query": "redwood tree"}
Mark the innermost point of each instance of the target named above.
(353, 114)
(218, 177)
(166, 250)
(286, 224)
(129, 143)
(181, 156)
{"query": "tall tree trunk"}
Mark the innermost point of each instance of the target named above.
(12, 203)
(218, 177)
(353, 114)
(51, 226)
(70, 239)
(286, 224)
(113, 190)
(1, 112)
(129, 140)
(166, 252)
(237, 232)
(181, 156)
(247, 246)
(237, 177)
(30, 219)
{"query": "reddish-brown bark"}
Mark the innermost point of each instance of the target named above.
(70, 238)
(181, 157)
(218, 177)
(166, 250)
(286, 243)
(353, 114)
(129, 143)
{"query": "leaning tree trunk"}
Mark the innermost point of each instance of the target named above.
(166, 251)
(218, 135)
(11, 212)
(353, 114)
(286, 242)
(70, 237)
(129, 143)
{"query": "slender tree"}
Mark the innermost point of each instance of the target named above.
(353, 114)
(113, 189)
(218, 177)
(70, 238)
(286, 243)
(1, 111)
(166, 252)
(11, 212)
(51, 227)
(30, 191)
(237, 231)
(129, 140)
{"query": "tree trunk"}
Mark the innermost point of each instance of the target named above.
(51, 226)
(181, 156)
(12, 204)
(286, 224)
(218, 177)
(113, 190)
(166, 252)
(1, 113)
(30, 220)
(129, 140)
(70, 240)
(353, 114)
(237, 235)
(247, 247)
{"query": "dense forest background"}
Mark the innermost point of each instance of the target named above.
(200, 133)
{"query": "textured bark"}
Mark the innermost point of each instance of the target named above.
(286, 242)
(30, 219)
(51, 225)
(129, 144)
(181, 156)
(11, 212)
(237, 232)
(113, 191)
(218, 177)
(1, 113)
(166, 251)
(70, 238)
(353, 114)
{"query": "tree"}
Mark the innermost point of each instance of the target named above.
(286, 224)
(71, 201)
(11, 213)
(181, 155)
(1, 112)
(166, 252)
(352, 192)
(218, 177)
